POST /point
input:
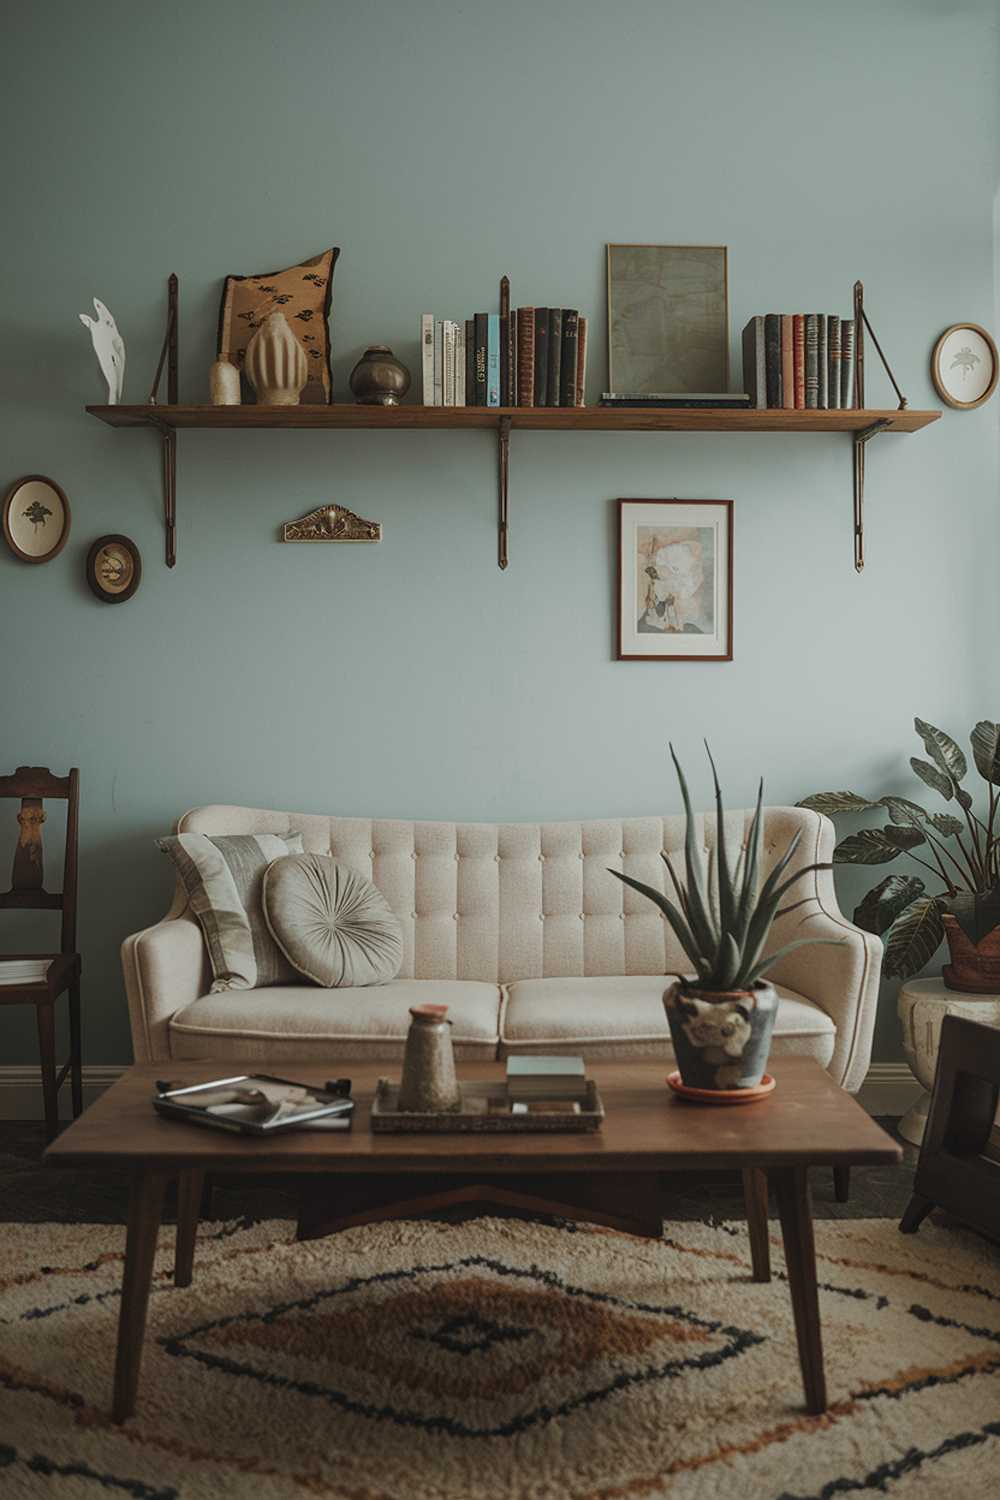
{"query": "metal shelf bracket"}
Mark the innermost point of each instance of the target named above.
(864, 435)
(503, 456)
(168, 435)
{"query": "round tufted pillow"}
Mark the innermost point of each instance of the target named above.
(332, 924)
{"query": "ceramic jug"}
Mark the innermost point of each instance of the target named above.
(429, 1085)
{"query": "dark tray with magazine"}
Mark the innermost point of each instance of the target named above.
(256, 1104)
(486, 1110)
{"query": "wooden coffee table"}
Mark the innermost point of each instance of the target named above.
(612, 1177)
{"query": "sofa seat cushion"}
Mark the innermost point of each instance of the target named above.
(611, 1017)
(300, 1021)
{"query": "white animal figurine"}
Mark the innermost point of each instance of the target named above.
(109, 346)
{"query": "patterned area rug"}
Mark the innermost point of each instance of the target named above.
(493, 1358)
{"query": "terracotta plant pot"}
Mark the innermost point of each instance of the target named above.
(721, 1039)
(974, 967)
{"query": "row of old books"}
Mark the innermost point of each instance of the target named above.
(537, 356)
(799, 360)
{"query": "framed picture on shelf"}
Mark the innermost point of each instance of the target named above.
(964, 365)
(668, 319)
(675, 580)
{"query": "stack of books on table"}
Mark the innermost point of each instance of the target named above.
(535, 357)
(530, 1079)
(799, 361)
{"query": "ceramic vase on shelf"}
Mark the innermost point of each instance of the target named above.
(379, 378)
(275, 363)
(224, 384)
(429, 1085)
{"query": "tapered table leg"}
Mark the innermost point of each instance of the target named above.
(144, 1210)
(842, 1183)
(755, 1198)
(792, 1187)
(189, 1190)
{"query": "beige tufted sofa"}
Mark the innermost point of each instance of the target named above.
(521, 931)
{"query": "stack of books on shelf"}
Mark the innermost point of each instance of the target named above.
(536, 356)
(530, 1078)
(799, 361)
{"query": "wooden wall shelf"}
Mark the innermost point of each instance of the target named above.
(528, 418)
(169, 419)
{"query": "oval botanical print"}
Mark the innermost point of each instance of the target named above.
(36, 518)
(964, 365)
(114, 568)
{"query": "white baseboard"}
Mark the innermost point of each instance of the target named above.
(889, 1089)
(21, 1090)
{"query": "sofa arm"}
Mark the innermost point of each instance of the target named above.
(166, 966)
(843, 980)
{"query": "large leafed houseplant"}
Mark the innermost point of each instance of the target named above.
(961, 852)
(721, 1015)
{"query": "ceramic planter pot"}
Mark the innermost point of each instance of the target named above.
(974, 967)
(721, 1039)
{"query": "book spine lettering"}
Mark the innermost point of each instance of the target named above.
(772, 357)
(526, 356)
(833, 363)
(821, 361)
(449, 363)
(470, 361)
(541, 356)
(459, 364)
(812, 362)
(493, 360)
(504, 368)
(799, 357)
(438, 362)
(570, 338)
(555, 355)
(847, 363)
(427, 357)
(480, 322)
(754, 373)
(787, 363)
(581, 361)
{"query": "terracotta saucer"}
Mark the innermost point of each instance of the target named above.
(721, 1096)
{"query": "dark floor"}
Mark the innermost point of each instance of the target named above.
(31, 1192)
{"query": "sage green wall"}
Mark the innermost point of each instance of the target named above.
(441, 144)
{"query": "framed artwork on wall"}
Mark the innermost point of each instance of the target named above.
(675, 580)
(964, 365)
(36, 519)
(114, 568)
(668, 319)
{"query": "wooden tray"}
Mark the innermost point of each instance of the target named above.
(485, 1111)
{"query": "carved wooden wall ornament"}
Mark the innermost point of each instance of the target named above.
(331, 523)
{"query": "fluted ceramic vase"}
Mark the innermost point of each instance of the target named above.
(276, 363)
(721, 1039)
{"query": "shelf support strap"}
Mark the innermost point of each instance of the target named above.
(503, 453)
(168, 441)
(860, 438)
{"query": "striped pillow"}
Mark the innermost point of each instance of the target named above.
(223, 878)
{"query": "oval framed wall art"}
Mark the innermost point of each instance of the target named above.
(36, 518)
(964, 366)
(114, 568)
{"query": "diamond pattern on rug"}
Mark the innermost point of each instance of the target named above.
(492, 1358)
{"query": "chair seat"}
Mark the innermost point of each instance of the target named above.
(63, 969)
(297, 1021)
(612, 1017)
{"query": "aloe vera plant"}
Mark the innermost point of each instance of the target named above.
(725, 939)
(963, 853)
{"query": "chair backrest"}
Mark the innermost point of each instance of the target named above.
(32, 784)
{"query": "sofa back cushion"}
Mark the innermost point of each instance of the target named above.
(507, 901)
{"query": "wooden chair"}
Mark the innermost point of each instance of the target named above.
(32, 784)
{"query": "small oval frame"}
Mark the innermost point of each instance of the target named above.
(92, 580)
(8, 501)
(939, 386)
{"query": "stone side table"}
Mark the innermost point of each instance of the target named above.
(923, 1005)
